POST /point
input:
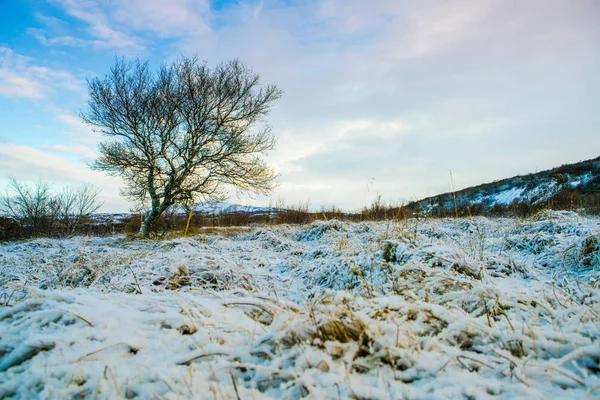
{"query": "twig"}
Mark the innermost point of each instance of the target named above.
(135, 278)
(131, 348)
(237, 394)
(199, 356)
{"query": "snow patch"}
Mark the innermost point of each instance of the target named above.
(507, 197)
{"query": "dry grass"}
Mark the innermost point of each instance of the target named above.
(427, 308)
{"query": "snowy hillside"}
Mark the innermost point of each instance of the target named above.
(229, 208)
(557, 185)
(420, 309)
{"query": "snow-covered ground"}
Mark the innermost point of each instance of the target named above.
(419, 309)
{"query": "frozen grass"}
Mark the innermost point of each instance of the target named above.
(464, 308)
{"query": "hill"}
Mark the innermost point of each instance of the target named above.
(570, 186)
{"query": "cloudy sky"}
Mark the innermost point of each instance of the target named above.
(381, 97)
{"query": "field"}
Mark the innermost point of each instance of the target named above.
(419, 309)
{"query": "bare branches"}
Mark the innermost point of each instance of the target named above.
(183, 134)
(38, 210)
(33, 206)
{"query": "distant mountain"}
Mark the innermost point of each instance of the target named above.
(575, 184)
(200, 208)
(228, 208)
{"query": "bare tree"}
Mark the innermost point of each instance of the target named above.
(184, 134)
(76, 203)
(39, 210)
(34, 208)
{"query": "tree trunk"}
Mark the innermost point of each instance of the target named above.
(147, 223)
(152, 217)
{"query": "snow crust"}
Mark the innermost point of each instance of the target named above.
(420, 309)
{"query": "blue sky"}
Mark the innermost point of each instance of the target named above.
(381, 97)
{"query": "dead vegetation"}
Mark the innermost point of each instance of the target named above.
(414, 309)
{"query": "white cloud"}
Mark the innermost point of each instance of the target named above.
(74, 140)
(77, 130)
(26, 162)
(434, 29)
(72, 149)
(123, 25)
(94, 14)
(180, 17)
(20, 77)
(352, 17)
(45, 38)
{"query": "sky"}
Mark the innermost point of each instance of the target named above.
(401, 99)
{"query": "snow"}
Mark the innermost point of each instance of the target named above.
(507, 197)
(580, 180)
(106, 218)
(420, 309)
